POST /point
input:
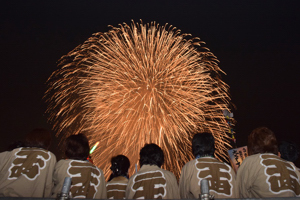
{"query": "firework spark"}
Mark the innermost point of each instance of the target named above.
(138, 84)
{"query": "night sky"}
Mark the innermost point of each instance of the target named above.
(257, 43)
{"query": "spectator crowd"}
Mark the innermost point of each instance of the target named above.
(28, 169)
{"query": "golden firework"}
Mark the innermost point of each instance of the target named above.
(138, 84)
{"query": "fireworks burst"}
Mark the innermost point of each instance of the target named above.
(138, 84)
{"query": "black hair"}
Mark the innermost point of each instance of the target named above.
(289, 151)
(38, 137)
(119, 166)
(77, 147)
(203, 144)
(151, 154)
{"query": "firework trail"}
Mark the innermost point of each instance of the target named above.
(137, 84)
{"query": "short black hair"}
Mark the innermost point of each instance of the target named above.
(289, 151)
(119, 166)
(203, 144)
(151, 154)
(77, 147)
(38, 137)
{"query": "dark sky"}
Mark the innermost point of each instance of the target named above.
(257, 43)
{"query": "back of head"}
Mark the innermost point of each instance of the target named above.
(39, 137)
(262, 140)
(151, 154)
(119, 166)
(203, 144)
(289, 151)
(77, 147)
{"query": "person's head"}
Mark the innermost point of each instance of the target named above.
(119, 166)
(39, 137)
(203, 144)
(262, 140)
(77, 147)
(151, 154)
(289, 151)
